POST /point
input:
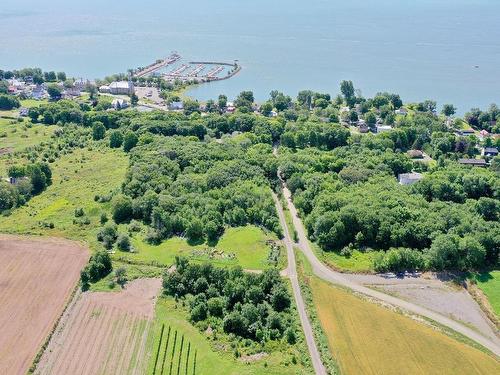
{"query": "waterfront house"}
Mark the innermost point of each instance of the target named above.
(473, 162)
(121, 88)
(104, 89)
(409, 178)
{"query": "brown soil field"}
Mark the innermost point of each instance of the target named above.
(37, 276)
(104, 332)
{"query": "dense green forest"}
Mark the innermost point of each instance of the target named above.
(193, 174)
(250, 306)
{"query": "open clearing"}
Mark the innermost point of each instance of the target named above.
(37, 277)
(16, 136)
(104, 332)
(369, 339)
(244, 246)
(76, 179)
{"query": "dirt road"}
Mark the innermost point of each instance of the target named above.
(334, 277)
(291, 272)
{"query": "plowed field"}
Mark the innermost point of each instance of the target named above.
(104, 332)
(37, 276)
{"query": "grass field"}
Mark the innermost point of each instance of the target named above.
(77, 178)
(489, 283)
(357, 262)
(16, 136)
(248, 244)
(369, 339)
(208, 360)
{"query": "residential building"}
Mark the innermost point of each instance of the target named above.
(409, 178)
(473, 162)
(383, 128)
(483, 134)
(176, 106)
(121, 88)
(415, 154)
(489, 152)
(119, 104)
(401, 111)
(466, 132)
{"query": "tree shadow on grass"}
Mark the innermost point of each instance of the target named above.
(484, 277)
(196, 242)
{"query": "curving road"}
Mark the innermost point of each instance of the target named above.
(334, 277)
(291, 272)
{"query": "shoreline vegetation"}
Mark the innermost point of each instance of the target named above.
(185, 193)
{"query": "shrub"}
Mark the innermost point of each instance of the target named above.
(98, 267)
(122, 209)
(123, 242)
(107, 235)
(115, 139)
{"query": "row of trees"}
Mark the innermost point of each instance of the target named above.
(36, 74)
(256, 307)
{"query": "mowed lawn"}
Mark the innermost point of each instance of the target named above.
(208, 360)
(369, 339)
(489, 283)
(357, 262)
(248, 244)
(77, 178)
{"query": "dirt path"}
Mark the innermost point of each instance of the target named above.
(334, 277)
(291, 272)
(435, 294)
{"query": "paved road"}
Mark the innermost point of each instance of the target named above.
(334, 277)
(291, 271)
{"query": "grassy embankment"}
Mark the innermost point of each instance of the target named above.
(366, 338)
(489, 284)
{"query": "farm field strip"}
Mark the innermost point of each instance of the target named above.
(37, 276)
(104, 333)
(369, 339)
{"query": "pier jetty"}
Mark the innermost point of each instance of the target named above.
(174, 57)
